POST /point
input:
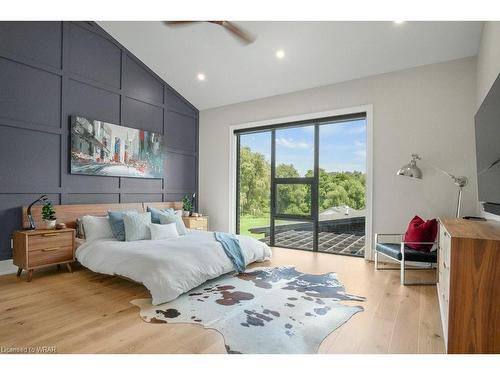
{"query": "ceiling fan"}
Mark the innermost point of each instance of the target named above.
(239, 33)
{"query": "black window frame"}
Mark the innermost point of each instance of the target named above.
(312, 181)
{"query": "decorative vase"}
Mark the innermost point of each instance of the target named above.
(185, 213)
(50, 224)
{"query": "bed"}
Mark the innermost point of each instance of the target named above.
(167, 268)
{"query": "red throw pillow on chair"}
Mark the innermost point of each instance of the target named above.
(421, 231)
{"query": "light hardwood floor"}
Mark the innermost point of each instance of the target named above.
(84, 312)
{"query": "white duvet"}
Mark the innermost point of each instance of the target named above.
(167, 268)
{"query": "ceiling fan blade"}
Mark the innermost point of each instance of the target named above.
(242, 35)
(178, 23)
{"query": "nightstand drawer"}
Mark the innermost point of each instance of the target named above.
(198, 223)
(199, 226)
(50, 255)
(49, 240)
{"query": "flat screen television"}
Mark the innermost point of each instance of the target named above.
(487, 124)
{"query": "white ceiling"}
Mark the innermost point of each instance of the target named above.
(317, 54)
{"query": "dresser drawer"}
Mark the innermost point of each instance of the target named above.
(444, 306)
(445, 247)
(50, 255)
(444, 254)
(49, 240)
(444, 282)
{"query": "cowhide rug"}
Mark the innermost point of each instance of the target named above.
(264, 310)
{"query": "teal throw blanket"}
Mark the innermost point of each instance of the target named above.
(232, 248)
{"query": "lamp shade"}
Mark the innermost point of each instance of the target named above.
(410, 170)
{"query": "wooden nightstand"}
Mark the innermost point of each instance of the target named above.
(198, 223)
(40, 248)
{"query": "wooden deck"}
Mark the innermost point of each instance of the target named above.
(328, 242)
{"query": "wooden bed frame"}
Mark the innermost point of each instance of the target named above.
(68, 213)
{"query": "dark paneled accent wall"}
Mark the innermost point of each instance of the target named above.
(52, 70)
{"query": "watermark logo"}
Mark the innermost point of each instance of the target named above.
(28, 349)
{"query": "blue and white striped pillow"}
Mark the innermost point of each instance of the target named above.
(116, 222)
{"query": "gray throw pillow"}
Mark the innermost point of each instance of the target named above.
(155, 213)
(172, 217)
(80, 231)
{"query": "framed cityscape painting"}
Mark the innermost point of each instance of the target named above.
(99, 148)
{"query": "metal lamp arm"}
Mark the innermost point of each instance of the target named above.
(460, 181)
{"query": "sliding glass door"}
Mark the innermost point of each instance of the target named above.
(293, 187)
(302, 185)
(253, 216)
(342, 187)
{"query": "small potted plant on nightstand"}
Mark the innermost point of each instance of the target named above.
(187, 206)
(49, 216)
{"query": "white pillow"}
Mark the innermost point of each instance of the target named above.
(163, 231)
(96, 227)
(137, 226)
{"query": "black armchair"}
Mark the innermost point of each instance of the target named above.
(401, 253)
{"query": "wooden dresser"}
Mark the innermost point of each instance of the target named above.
(469, 285)
(199, 223)
(40, 248)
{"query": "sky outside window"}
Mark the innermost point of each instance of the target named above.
(342, 146)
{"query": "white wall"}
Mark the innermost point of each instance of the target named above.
(428, 110)
(488, 59)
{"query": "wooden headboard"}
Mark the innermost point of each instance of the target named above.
(68, 213)
(162, 205)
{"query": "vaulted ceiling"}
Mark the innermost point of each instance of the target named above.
(315, 54)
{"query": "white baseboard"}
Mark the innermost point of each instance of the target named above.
(7, 267)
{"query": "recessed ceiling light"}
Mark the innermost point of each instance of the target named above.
(399, 22)
(201, 77)
(280, 54)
